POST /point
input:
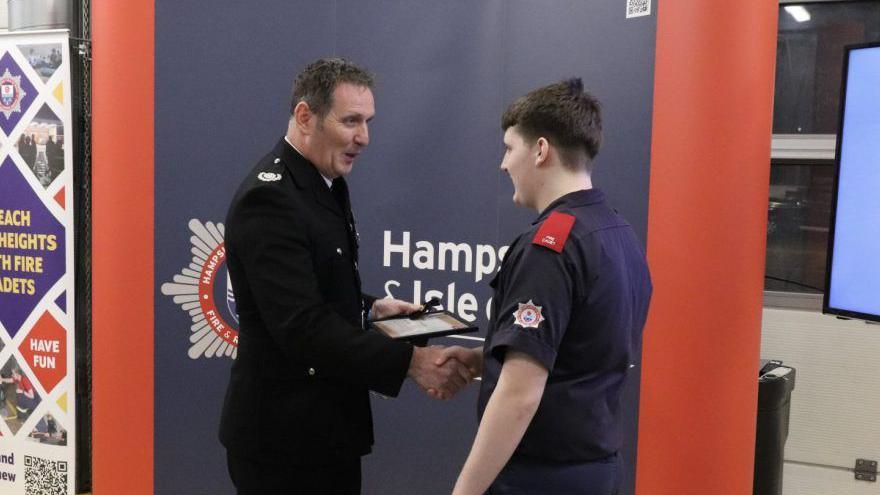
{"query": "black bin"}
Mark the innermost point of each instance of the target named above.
(775, 384)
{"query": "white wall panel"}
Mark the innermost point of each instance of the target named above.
(814, 480)
(835, 407)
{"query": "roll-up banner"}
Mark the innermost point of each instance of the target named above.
(433, 210)
(36, 266)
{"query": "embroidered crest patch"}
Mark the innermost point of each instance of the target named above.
(268, 177)
(528, 315)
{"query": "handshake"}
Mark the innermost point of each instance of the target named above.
(442, 371)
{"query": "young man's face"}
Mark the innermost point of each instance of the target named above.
(519, 162)
(343, 134)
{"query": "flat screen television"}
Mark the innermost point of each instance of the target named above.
(853, 270)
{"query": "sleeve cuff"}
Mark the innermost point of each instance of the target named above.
(525, 342)
(398, 360)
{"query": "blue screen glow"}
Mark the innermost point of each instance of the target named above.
(855, 267)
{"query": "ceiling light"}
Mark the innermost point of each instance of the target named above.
(799, 13)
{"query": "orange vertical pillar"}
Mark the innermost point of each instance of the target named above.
(122, 246)
(707, 218)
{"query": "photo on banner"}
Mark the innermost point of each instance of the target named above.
(41, 146)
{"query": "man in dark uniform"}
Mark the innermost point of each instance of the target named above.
(571, 299)
(296, 418)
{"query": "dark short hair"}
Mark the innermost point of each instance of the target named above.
(569, 117)
(315, 84)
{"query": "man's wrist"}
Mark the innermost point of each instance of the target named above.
(464, 485)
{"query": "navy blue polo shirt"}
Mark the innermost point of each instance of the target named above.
(578, 305)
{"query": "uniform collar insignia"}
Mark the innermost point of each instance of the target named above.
(269, 177)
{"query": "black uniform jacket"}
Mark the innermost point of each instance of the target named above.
(298, 390)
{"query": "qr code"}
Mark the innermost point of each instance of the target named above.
(638, 8)
(44, 477)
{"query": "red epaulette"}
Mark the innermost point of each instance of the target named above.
(554, 231)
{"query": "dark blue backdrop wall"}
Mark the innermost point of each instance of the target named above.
(445, 70)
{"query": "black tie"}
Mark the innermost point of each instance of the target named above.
(339, 193)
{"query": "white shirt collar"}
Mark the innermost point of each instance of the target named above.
(329, 182)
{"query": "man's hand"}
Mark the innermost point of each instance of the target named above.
(470, 357)
(383, 308)
(440, 382)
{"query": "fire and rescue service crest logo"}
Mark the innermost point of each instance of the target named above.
(528, 315)
(196, 291)
(11, 93)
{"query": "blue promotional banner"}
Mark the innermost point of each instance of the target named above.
(36, 266)
(433, 210)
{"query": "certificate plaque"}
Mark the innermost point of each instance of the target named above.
(434, 324)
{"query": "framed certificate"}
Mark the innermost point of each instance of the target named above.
(432, 324)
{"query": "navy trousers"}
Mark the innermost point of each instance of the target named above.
(252, 477)
(522, 476)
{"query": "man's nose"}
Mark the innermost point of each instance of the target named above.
(362, 137)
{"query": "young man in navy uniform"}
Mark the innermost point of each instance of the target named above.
(296, 418)
(570, 302)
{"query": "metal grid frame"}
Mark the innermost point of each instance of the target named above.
(81, 89)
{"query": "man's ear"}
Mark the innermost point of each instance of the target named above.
(542, 151)
(303, 118)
